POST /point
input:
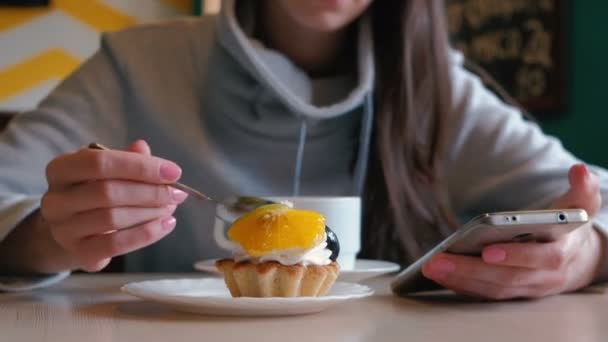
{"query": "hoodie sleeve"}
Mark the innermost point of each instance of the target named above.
(497, 160)
(87, 106)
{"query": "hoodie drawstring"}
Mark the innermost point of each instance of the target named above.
(297, 174)
(365, 138)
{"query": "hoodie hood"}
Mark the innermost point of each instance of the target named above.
(289, 84)
(276, 130)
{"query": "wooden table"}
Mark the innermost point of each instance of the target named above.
(90, 308)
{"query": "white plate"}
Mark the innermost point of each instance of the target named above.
(364, 269)
(210, 296)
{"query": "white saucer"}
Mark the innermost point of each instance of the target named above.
(364, 269)
(210, 296)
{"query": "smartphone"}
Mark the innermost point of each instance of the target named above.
(492, 228)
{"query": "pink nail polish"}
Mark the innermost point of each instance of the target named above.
(178, 196)
(170, 172)
(494, 255)
(168, 223)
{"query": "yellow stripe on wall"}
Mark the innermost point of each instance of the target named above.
(95, 14)
(52, 64)
(15, 16)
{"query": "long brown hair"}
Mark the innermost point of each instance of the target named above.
(405, 202)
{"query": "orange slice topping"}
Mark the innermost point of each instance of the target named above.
(277, 227)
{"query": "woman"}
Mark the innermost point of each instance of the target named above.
(279, 97)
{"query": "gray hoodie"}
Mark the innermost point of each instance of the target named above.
(240, 118)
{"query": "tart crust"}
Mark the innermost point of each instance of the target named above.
(272, 279)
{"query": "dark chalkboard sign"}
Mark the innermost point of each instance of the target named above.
(24, 2)
(520, 43)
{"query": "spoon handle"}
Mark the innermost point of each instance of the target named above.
(179, 186)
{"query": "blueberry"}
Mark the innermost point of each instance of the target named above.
(332, 243)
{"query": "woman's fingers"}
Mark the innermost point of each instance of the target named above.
(529, 270)
(58, 206)
(487, 290)
(103, 221)
(451, 269)
(88, 164)
(550, 256)
(94, 196)
(93, 252)
(140, 146)
(584, 191)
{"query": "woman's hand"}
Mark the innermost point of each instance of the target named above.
(531, 270)
(101, 204)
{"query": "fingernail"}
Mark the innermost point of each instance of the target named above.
(443, 266)
(494, 255)
(168, 223)
(170, 172)
(178, 196)
(585, 170)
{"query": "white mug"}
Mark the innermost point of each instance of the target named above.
(342, 215)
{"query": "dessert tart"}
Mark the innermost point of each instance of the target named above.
(281, 252)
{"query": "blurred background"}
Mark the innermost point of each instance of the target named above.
(548, 54)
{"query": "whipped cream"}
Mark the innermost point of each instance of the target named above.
(318, 255)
